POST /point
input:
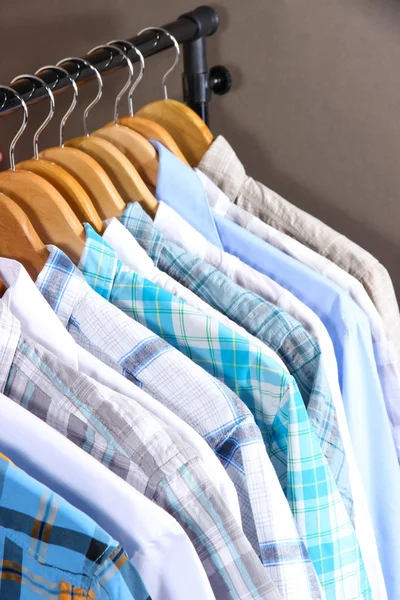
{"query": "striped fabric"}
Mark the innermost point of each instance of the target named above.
(208, 405)
(221, 164)
(275, 327)
(49, 549)
(272, 397)
(138, 447)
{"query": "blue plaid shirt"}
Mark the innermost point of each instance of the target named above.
(234, 570)
(272, 397)
(49, 549)
(275, 327)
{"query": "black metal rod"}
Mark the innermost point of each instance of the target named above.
(201, 22)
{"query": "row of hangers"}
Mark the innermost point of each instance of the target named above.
(45, 200)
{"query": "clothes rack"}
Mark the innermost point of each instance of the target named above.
(190, 29)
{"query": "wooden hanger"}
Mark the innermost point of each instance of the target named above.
(49, 213)
(122, 173)
(187, 129)
(146, 128)
(19, 240)
(64, 182)
(69, 188)
(135, 147)
(91, 176)
(153, 131)
(83, 168)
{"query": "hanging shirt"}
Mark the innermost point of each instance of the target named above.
(50, 549)
(154, 542)
(349, 329)
(132, 254)
(177, 229)
(384, 351)
(276, 328)
(40, 323)
(216, 413)
(271, 395)
(139, 448)
(221, 164)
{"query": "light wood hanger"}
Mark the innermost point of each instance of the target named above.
(121, 171)
(187, 129)
(64, 182)
(134, 146)
(49, 213)
(153, 131)
(83, 168)
(19, 240)
(146, 128)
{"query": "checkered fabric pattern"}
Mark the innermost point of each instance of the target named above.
(206, 404)
(49, 549)
(272, 397)
(275, 327)
(138, 447)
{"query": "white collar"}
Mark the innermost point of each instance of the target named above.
(36, 317)
(128, 249)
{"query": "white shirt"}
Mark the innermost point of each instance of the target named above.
(134, 256)
(384, 349)
(154, 542)
(177, 230)
(42, 325)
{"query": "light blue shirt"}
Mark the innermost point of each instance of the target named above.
(350, 331)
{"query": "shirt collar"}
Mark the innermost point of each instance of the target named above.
(221, 164)
(140, 225)
(36, 317)
(179, 187)
(61, 283)
(99, 263)
(128, 249)
(217, 199)
(10, 331)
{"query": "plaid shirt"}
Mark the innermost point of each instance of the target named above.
(271, 395)
(275, 327)
(49, 549)
(206, 404)
(221, 164)
(139, 448)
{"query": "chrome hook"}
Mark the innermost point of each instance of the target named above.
(178, 53)
(21, 129)
(74, 99)
(138, 78)
(49, 117)
(127, 84)
(81, 61)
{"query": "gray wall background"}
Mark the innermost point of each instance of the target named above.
(314, 111)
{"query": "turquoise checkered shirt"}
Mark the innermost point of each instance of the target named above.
(272, 396)
(275, 327)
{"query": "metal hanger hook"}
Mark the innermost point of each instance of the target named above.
(127, 84)
(74, 99)
(138, 78)
(21, 130)
(49, 117)
(178, 53)
(81, 61)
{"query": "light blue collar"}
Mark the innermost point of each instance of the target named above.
(180, 188)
